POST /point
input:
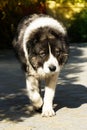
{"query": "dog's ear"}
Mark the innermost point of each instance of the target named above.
(65, 46)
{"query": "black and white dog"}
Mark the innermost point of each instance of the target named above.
(42, 47)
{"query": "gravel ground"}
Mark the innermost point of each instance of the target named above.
(70, 102)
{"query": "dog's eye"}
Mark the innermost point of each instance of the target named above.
(42, 54)
(57, 52)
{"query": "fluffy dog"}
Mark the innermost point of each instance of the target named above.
(41, 43)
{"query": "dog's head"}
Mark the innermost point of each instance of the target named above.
(46, 48)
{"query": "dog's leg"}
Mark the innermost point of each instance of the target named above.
(47, 109)
(33, 91)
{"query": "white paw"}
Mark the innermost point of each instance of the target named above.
(48, 112)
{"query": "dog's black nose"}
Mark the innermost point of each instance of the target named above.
(52, 68)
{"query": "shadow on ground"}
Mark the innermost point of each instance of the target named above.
(14, 103)
(13, 100)
(70, 95)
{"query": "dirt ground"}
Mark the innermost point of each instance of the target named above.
(70, 102)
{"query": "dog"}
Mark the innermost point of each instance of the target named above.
(41, 44)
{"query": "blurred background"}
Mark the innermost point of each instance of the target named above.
(73, 14)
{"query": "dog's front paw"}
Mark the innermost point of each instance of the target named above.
(47, 111)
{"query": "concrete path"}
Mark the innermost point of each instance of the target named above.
(70, 101)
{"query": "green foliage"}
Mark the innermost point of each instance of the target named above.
(11, 11)
(78, 29)
(72, 1)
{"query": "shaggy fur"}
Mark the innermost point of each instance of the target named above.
(41, 43)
